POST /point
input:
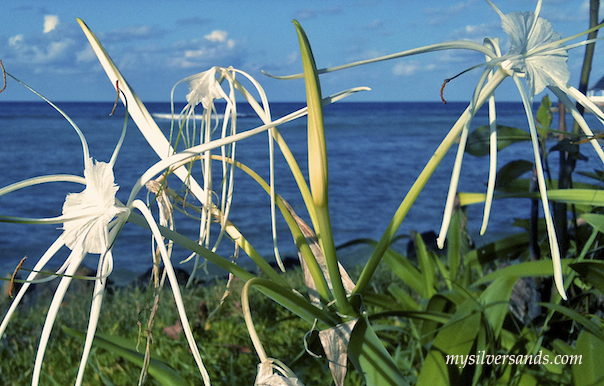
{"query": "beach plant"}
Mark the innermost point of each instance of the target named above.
(536, 53)
(91, 221)
(93, 218)
(458, 311)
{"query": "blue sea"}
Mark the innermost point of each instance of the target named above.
(375, 150)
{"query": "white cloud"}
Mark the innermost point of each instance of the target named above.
(15, 41)
(126, 34)
(411, 67)
(217, 36)
(86, 55)
(305, 14)
(213, 49)
(50, 23)
(406, 68)
(194, 53)
(374, 25)
(291, 58)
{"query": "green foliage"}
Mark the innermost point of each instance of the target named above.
(478, 140)
(158, 368)
(427, 321)
(587, 369)
(223, 338)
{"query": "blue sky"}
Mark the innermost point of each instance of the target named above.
(156, 43)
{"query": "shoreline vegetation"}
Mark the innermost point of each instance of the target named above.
(394, 319)
(216, 320)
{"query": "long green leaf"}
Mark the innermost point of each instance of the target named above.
(368, 354)
(591, 197)
(526, 269)
(426, 266)
(589, 325)
(419, 184)
(158, 369)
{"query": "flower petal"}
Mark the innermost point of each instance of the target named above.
(527, 35)
(204, 88)
(93, 208)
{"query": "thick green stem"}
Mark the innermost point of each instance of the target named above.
(421, 181)
(594, 9)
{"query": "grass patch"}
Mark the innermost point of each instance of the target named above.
(220, 331)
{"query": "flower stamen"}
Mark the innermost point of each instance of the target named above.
(442, 89)
(3, 75)
(117, 98)
(14, 275)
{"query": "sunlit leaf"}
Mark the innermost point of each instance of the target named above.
(525, 269)
(455, 339)
(587, 360)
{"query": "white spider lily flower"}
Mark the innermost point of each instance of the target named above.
(92, 210)
(538, 54)
(204, 88)
(274, 373)
(88, 227)
(536, 50)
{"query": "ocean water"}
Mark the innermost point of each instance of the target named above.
(375, 150)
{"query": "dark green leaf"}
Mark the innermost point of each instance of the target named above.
(501, 249)
(592, 272)
(511, 171)
(478, 140)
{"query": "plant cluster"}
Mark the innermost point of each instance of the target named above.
(434, 322)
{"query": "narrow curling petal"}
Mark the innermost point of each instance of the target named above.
(450, 204)
(492, 164)
(551, 230)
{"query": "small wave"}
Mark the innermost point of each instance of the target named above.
(197, 117)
